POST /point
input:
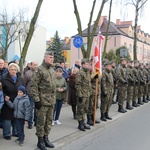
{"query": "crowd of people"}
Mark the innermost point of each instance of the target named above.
(37, 95)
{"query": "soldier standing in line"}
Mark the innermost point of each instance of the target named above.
(146, 74)
(83, 91)
(122, 84)
(107, 86)
(114, 74)
(136, 102)
(44, 91)
(142, 83)
(130, 85)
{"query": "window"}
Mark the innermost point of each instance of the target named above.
(141, 51)
(114, 41)
(137, 51)
(130, 48)
(125, 44)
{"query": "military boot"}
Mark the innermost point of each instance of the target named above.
(148, 98)
(120, 109)
(107, 116)
(86, 126)
(140, 101)
(144, 100)
(129, 107)
(41, 145)
(89, 120)
(103, 117)
(47, 142)
(96, 121)
(81, 126)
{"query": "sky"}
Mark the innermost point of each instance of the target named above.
(59, 14)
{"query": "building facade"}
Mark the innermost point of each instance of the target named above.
(120, 34)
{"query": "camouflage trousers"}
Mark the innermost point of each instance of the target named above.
(106, 102)
(82, 108)
(44, 120)
(130, 89)
(122, 94)
(148, 89)
(92, 104)
(135, 93)
(141, 91)
(145, 90)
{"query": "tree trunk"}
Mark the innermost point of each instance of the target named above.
(29, 35)
(135, 32)
(106, 37)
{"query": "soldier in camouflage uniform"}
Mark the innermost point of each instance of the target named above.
(114, 74)
(44, 90)
(146, 74)
(130, 85)
(136, 101)
(107, 86)
(142, 83)
(83, 91)
(122, 84)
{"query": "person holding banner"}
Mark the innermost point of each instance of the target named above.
(83, 91)
(107, 86)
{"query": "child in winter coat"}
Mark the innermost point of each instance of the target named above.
(1, 97)
(21, 106)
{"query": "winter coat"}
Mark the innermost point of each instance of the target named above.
(60, 83)
(21, 106)
(9, 89)
(1, 99)
(27, 81)
(72, 90)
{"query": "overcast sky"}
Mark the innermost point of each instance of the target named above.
(59, 14)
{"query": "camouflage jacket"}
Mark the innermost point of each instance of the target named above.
(107, 83)
(60, 83)
(43, 85)
(122, 75)
(130, 75)
(142, 77)
(83, 83)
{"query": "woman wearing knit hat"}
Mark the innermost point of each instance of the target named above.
(21, 106)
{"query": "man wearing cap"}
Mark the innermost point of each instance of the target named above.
(83, 91)
(136, 101)
(107, 86)
(122, 84)
(146, 75)
(130, 85)
(44, 91)
(142, 83)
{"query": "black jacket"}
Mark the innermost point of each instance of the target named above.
(9, 89)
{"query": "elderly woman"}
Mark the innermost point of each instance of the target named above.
(10, 84)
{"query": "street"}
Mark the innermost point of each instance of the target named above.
(129, 132)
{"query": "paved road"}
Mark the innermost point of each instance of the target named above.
(129, 132)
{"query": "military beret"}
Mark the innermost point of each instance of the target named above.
(130, 61)
(104, 60)
(136, 61)
(123, 59)
(59, 68)
(84, 60)
(107, 63)
(49, 53)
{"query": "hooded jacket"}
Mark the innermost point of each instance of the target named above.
(21, 107)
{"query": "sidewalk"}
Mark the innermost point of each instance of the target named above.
(60, 134)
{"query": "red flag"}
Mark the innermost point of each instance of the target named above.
(97, 69)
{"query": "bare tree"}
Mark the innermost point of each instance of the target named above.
(106, 37)
(30, 34)
(10, 25)
(86, 53)
(138, 5)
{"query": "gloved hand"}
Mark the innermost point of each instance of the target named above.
(80, 99)
(38, 105)
(96, 76)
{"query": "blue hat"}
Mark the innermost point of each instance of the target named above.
(22, 88)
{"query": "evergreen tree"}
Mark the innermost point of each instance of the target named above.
(56, 47)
